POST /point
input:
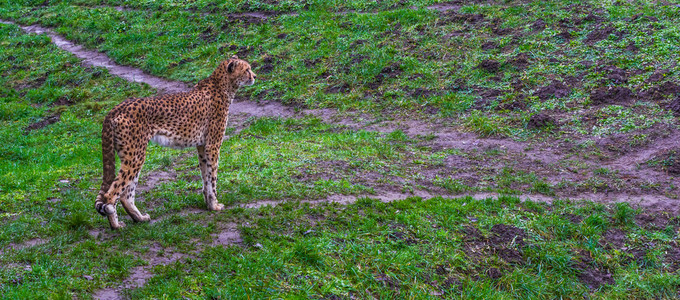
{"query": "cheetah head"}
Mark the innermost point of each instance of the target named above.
(239, 72)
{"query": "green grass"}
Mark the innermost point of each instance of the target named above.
(34, 162)
(422, 249)
(392, 63)
(398, 60)
(247, 6)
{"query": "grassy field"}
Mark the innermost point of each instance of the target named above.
(554, 99)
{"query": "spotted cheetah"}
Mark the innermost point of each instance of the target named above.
(197, 118)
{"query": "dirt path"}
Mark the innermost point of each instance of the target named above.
(139, 275)
(27, 244)
(440, 7)
(447, 137)
(93, 58)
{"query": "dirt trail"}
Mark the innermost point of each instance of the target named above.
(440, 7)
(27, 244)
(446, 136)
(389, 196)
(651, 202)
(632, 160)
(97, 59)
(139, 275)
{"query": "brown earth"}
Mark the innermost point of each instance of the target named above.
(157, 255)
(49, 120)
(543, 159)
(592, 275)
(540, 120)
(600, 34)
(555, 89)
(611, 95)
(489, 65)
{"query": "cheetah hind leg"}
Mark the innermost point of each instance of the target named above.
(113, 220)
(128, 201)
(108, 210)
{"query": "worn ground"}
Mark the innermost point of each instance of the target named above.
(543, 135)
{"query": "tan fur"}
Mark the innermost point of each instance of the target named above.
(193, 119)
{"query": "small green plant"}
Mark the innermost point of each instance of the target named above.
(543, 187)
(623, 214)
(486, 125)
(397, 136)
(602, 171)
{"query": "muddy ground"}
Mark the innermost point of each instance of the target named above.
(632, 176)
(621, 170)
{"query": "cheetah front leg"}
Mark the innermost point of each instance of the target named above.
(208, 160)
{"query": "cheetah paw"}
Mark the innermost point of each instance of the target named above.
(145, 218)
(105, 209)
(98, 207)
(120, 225)
(218, 207)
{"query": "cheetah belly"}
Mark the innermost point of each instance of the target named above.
(175, 142)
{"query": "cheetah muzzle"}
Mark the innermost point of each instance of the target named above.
(197, 118)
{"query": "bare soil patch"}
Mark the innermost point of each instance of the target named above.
(614, 238)
(658, 75)
(391, 71)
(555, 89)
(154, 178)
(632, 47)
(228, 235)
(600, 34)
(504, 241)
(538, 26)
(489, 46)
(674, 106)
(463, 18)
(521, 60)
(592, 275)
(44, 122)
(611, 95)
(63, 101)
(489, 65)
(660, 92)
(540, 120)
(615, 75)
(27, 244)
(673, 258)
(540, 158)
(139, 275)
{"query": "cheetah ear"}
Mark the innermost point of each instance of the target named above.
(234, 56)
(231, 65)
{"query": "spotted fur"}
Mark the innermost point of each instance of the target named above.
(197, 118)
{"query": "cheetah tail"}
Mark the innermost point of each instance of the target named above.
(108, 159)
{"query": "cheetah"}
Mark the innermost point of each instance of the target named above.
(197, 118)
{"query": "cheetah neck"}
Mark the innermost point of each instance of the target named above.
(224, 96)
(220, 94)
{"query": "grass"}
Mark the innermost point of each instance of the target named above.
(422, 249)
(54, 159)
(403, 59)
(381, 58)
